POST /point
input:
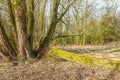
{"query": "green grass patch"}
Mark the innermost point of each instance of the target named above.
(115, 49)
(85, 59)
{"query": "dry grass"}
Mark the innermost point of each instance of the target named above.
(55, 69)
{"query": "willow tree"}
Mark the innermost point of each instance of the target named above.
(6, 49)
(22, 19)
(30, 21)
(46, 40)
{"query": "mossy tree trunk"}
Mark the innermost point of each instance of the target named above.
(20, 18)
(6, 50)
(30, 21)
(46, 40)
(12, 17)
(13, 23)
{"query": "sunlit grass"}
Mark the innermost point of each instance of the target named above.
(85, 59)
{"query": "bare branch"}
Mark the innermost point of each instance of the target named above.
(64, 12)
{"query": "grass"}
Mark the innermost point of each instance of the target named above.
(85, 59)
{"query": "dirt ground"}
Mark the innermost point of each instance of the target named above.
(54, 69)
(60, 69)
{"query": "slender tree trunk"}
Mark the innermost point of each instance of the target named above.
(43, 17)
(12, 19)
(6, 50)
(44, 44)
(13, 24)
(20, 17)
(30, 21)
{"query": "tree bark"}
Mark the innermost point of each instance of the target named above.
(30, 21)
(12, 18)
(48, 38)
(6, 50)
(13, 24)
(45, 42)
(20, 18)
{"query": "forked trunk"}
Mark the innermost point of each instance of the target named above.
(45, 42)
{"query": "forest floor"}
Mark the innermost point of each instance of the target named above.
(110, 51)
(60, 69)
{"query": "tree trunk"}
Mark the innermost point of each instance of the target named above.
(20, 17)
(12, 18)
(13, 24)
(6, 50)
(45, 42)
(30, 21)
